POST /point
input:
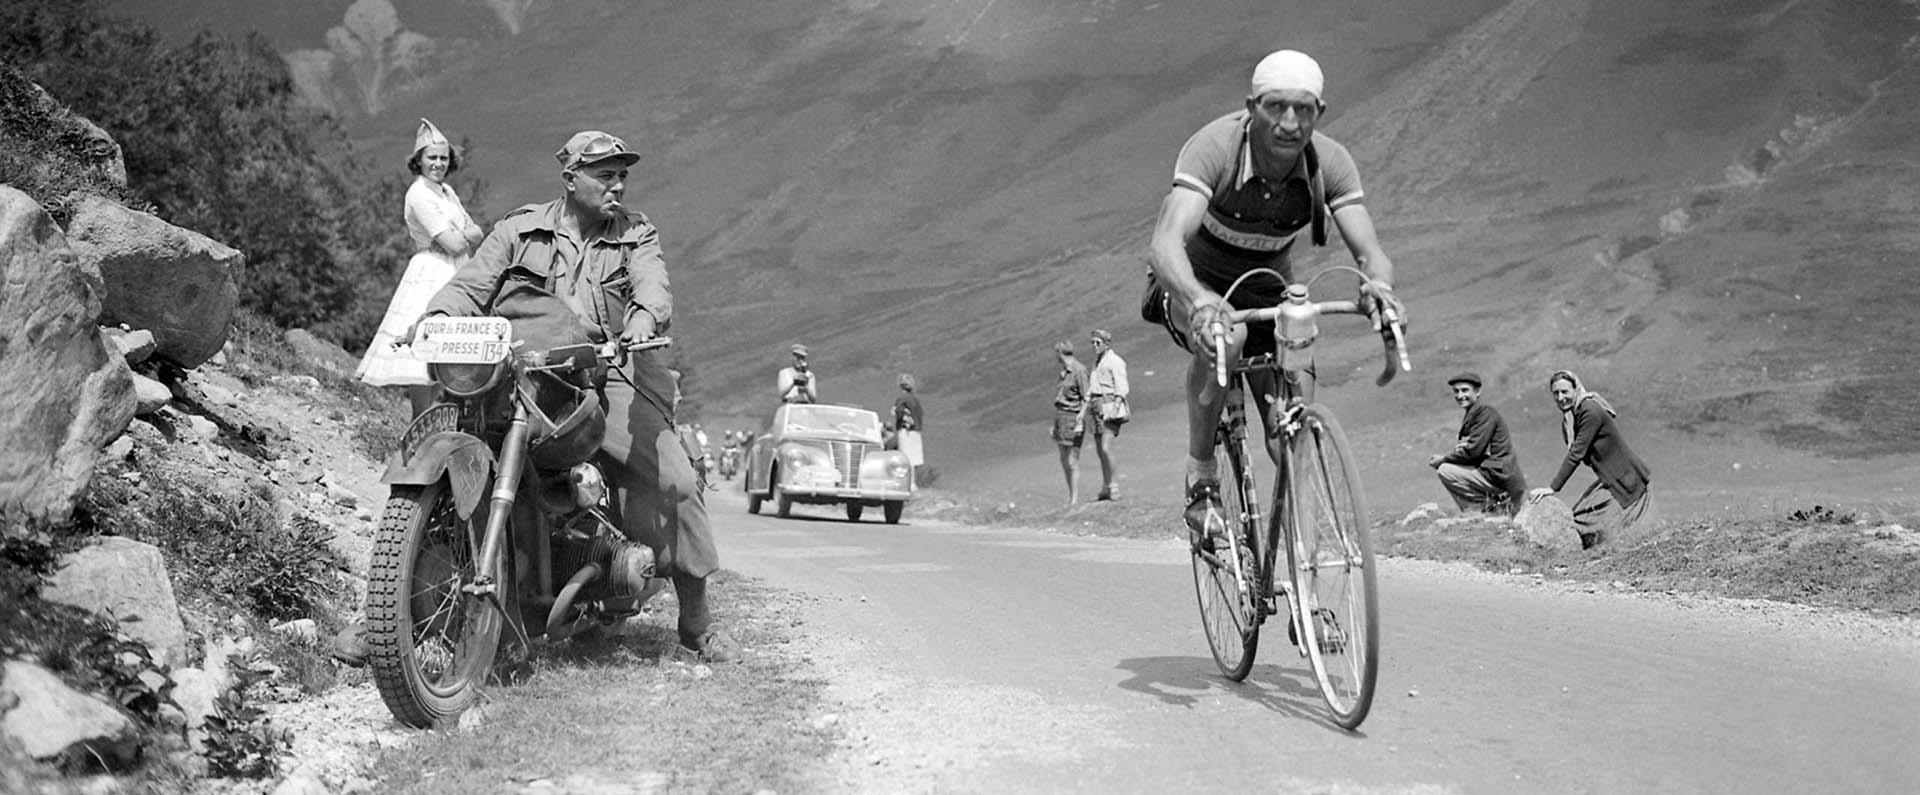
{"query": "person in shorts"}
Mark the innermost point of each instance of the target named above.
(1070, 415)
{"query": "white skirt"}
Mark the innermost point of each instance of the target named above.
(909, 442)
(388, 361)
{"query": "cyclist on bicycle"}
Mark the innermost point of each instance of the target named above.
(1244, 187)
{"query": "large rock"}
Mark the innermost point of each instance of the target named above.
(177, 283)
(127, 580)
(53, 722)
(64, 391)
(1548, 522)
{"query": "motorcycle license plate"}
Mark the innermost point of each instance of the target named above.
(442, 417)
(463, 340)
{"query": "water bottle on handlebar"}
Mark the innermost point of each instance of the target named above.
(1296, 327)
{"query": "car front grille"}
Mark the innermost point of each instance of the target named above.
(847, 457)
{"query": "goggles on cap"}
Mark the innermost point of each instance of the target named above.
(592, 147)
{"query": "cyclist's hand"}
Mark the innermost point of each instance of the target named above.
(1209, 320)
(1376, 296)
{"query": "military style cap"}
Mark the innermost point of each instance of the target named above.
(1468, 377)
(592, 146)
(799, 350)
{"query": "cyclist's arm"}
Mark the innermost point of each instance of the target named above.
(1180, 215)
(1363, 242)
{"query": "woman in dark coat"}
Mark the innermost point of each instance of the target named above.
(1595, 440)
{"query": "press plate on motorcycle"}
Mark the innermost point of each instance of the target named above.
(442, 417)
(463, 340)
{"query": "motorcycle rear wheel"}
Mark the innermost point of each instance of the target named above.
(431, 642)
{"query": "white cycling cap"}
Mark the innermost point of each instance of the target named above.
(1288, 69)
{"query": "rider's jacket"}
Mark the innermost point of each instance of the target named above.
(606, 278)
(1252, 219)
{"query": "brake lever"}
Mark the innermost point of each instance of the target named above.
(1396, 346)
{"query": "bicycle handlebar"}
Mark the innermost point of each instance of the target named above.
(1394, 337)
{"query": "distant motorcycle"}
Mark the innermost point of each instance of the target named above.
(729, 461)
(452, 574)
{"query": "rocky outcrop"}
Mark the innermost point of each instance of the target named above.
(78, 139)
(64, 392)
(127, 580)
(177, 283)
(53, 722)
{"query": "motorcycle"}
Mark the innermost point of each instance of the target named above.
(729, 461)
(456, 580)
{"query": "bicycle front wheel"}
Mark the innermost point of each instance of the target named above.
(1223, 571)
(1331, 554)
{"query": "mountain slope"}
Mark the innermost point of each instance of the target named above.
(1635, 190)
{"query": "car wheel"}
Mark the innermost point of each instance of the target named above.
(853, 511)
(892, 509)
(782, 502)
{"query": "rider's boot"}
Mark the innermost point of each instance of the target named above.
(1206, 519)
(697, 636)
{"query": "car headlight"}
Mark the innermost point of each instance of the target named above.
(798, 458)
(467, 380)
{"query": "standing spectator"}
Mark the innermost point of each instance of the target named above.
(1107, 393)
(1481, 471)
(1593, 439)
(908, 419)
(444, 237)
(798, 383)
(1070, 415)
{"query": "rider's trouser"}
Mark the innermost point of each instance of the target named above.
(664, 506)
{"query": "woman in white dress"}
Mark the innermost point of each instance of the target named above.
(444, 236)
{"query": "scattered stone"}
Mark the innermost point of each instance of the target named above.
(1413, 694)
(53, 722)
(302, 382)
(303, 630)
(202, 428)
(474, 719)
(149, 396)
(1548, 522)
(134, 346)
(175, 282)
(121, 449)
(214, 393)
(127, 580)
(1423, 512)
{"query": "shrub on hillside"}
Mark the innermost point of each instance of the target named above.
(215, 140)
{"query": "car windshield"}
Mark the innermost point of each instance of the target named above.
(834, 420)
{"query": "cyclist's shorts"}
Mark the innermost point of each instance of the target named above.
(1256, 292)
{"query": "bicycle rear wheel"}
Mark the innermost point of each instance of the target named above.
(1331, 554)
(1224, 577)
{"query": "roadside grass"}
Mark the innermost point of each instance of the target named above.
(1863, 558)
(627, 713)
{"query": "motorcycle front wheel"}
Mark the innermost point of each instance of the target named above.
(431, 639)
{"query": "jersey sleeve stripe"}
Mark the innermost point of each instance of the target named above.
(1193, 183)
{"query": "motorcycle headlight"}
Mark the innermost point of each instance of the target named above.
(467, 380)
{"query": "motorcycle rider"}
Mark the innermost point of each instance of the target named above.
(604, 260)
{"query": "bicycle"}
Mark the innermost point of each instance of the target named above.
(1332, 611)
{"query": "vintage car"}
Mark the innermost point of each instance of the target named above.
(817, 453)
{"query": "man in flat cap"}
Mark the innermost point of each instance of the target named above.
(1481, 471)
(603, 259)
(798, 382)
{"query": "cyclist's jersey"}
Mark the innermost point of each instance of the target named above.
(1251, 220)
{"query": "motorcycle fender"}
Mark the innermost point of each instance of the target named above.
(463, 458)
